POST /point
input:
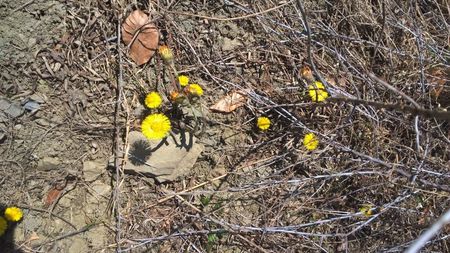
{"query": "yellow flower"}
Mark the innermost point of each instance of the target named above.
(183, 80)
(317, 92)
(156, 126)
(13, 214)
(166, 53)
(153, 100)
(263, 123)
(310, 141)
(3, 225)
(195, 89)
(366, 210)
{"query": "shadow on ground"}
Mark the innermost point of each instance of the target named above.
(7, 244)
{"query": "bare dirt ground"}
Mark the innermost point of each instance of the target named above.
(70, 104)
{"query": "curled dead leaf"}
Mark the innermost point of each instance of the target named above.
(52, 195)
(230, 102)
(306, 73)
(440, 90)
(143, 36)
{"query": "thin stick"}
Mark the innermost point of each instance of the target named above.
(45, 211)
(432, 231)
(187, 190)
(22, 6)
(81, 230)
(117, 135)
(308, 33)
(412, 101)
(233, 18)
(400, 107)
(393, 89)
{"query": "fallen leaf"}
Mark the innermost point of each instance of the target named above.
(230, 102)
(52, 195)
(439, 81)
(143, 36)
(306, 73)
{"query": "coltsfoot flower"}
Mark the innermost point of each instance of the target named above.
(183, 80)
(310, 141)
(366, 210)
(153, 100)
(166, 53)
(3, 226)
(156, 126)
(263, 123)
(13, 214)
(195, 89)
(317, 92)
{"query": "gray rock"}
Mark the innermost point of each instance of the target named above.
(98, 237)
(79, 245)
(48, 163)
(32, 106)
(165, 160)
(92, 169)
(98, 196)
(9, 110)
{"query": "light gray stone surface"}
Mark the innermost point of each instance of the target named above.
(92, 169)
(165, 160)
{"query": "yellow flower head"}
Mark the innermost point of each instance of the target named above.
(3, 225)
(153, 100)
(13, 214)
(310, 141)
(166, 53)
(183, 80)
(263, 123)
(156, 126)
(195, 89)
(366, 210)
(317, 92)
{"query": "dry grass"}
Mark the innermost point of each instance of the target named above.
(265, 192)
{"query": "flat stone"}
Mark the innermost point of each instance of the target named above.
(32, 106)
(100, 192)
(165, 160)
(100, 188)
(78, 245)
(48, 163)
(93, 169)
(98, 236)
(233, 137)
(9, 110)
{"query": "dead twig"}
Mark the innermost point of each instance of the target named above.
(117, 163)
(432, 231)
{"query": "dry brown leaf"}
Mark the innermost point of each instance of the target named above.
(144, 46)
(230, 102)
(52, 195)
(440, 85)
(438, 81)
(306, 73)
